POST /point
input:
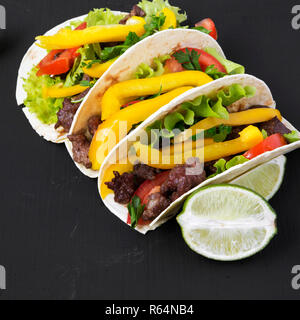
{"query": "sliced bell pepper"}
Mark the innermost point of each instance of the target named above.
(66, 39)
(118, 94)
(59, 61)
(186, 146)
(249, 137)
(98, 69)
(111, 131)
(271, 143)
(246, 117)
(59, 91)
(171, 21)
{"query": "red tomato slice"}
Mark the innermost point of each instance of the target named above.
(59, 61)
(151, 186)
(206, 59)
(271, 143)
(172, 65)
(146, 189)
(209, 25)
(82, 26)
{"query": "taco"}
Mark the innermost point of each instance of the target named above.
(144, 79)
(208, 135)
(51, 82)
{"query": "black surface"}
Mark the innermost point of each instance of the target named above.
(57, 240)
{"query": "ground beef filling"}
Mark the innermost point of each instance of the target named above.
(274, 126)
(81, 147)
(93, 124)
(181, 179)
(125, 185)
(66, 115)
(136, 11)
(81, 144)
(157, 203)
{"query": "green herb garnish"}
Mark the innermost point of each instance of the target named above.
(214, 73)
(189, 60)
(202, 29)
(136, 210)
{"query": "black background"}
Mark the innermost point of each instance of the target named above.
(58, 241)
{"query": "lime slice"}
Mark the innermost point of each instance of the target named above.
(265, 179)
(227, 222)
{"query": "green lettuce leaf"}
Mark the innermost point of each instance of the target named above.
(292, 137)
(235, 162)
(44, 109)
(234, 93)
(204, 107)
(222, 165)
(231, 67)
(264, 133)
(153, 7)
(101, 17)
(156, 70)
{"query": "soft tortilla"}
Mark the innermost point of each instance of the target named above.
(262, 97)
(32, 57)
(123, 69)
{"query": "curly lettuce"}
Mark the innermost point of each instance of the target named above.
(157, 69)
(191, 112)
(44, 109)
(231, 67)
(222, 165)
(154, 7)
(292, 137)
(101, 17)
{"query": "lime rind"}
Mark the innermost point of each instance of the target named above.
(230, 233)
(255, 178)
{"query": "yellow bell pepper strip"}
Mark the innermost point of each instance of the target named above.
(246, 117)
(249, 137)
(109, 175)
(117, 95)
(186, 146)
(170, 21)
(111, 131)
(98, 69)
(62, 92)
(67, 39)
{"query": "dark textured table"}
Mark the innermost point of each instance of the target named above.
(58, 241)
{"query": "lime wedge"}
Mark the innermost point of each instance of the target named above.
(227, 222)
(265, 179)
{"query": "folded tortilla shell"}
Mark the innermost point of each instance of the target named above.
(262, 97)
